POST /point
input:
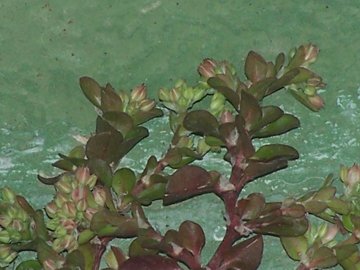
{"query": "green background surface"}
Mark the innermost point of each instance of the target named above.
(47, 45)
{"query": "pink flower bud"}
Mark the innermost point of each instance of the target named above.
(64, 185)
(81, 205)
(69, 209)
(138, 93)
(311, 52)
(146, 105)
(353, 176)
(79, 194)
(51, 209)
(89, 213)
(69, 225)
(206, 68)
(317, 102)
(82, 174)
(99, 195)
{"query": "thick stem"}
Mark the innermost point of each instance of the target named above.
(99, 251)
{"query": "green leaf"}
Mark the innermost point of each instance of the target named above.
(255, 67)
(224, 89)
(283, 81)
(275, 151)
(295, 247)
(75, 260)
(49, 180)
(29, 265)
(244, 255)
(91, 90)
(141, 117)
(256, 169)
(201, 121)
(269, 114)
(104, 146)
(123, 181)
(187, 182)
(259, 89)
(339, 206)
(279, 62)
(133, 137)
(121, 121)
(321, 258)
(303, 76)
(152, 193)
(282, 125)
(250, 110)
(108, 223)
(110, 100)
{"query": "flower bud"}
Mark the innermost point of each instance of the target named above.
(5, 221)
(217, 103)
(163, 94)
(82, 174)
(352, 177)
(99, 195)
(146, 105)
(8, 195)
(311, 52)
(91, 181)
(51, 209)
(60, 199)
(69, 210)
(174, 95)
(69, 225)
(89, 213)
(188, 93)
(317, 102)
(79, 193)
(64, 185)
(81, 205)
(206, 68)
(17, 225)
(5, 252)
(4, 237)
(138, 93)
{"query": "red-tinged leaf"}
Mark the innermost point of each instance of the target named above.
(49, 180)
(321, 258)
(76, 161)
(121, 121)
(256, 169)
(314, 103)
(110, 100)
(245, 255)
(250, 110)
(224, 89)
(298, 59)
(75, 260)
(108, 223)
(295, 247)
(282, 125)
(187, 182)
(255, 67)
(278, 225)
(255, 203)
(315, 207)
(29, 264)
(133, 137)
(103, 126)
(201, 121)
(102, 170)
(91, 90)
(104, 146)
(283, 81)
(141, 117)
(192, 237)
(275, 151)
(149, 262)
(269, 115)
(343, 252)
(137, 249)
(279, 62)
(260, 88)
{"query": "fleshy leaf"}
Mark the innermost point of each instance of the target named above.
(29, 264)
(108, 223)
(123, 181)
(148, 262)
(256, 169)
(250, 110)
(201, 121)
(49, 180)
(187, 182)
(279, 62)
(261, 88)
(75, 260)
(102, 170)
(255, 67)
(192, 237)
(230, 94)
(282, 125)
(104, 146)
(295, 247)
(275, 151)
(283, 81)
(321, 258)
(110, 100)
(152, 193)
(132, 138)
(121, 121)
(142, 117)
(91, 90)
(269, 115)
(245, 255)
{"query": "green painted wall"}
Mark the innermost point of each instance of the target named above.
(47, 45)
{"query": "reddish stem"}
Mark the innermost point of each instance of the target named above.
(99, 251)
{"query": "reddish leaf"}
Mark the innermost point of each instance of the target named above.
(104, 146)
(187, 182)
(110, 100)
(283, 81)
(256, 169)
(192, 237)
(321, 258)
(260, 88)
(250, 110)
(269, 115)
(201, 121)
(245, 255)
(91, 90)
(142, 117)
(149, 262)
(121, 121)
(255, 67)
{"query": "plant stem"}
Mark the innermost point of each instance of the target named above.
(99, 251)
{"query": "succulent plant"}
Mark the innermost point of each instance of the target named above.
(98, 199)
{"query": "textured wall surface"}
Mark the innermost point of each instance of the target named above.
(47, 45)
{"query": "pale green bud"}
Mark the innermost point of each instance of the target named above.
(138, 93)
(4, 237)
(8, 195)
(51, 209)
(146, 105)
(99, 195)
(163, 94)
